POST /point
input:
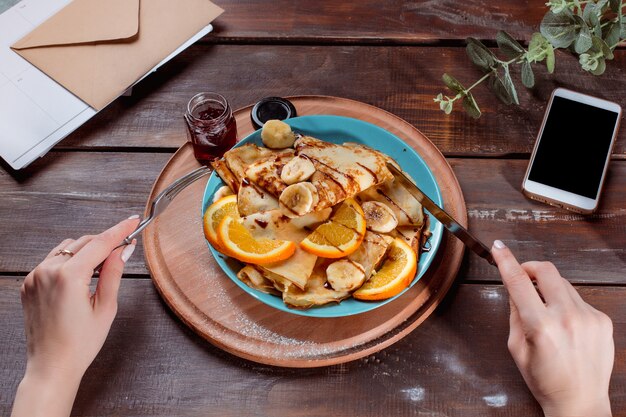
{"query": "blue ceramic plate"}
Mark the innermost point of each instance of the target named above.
(339, 129)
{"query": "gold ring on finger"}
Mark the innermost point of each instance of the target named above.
(64, 252)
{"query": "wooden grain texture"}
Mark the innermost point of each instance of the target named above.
(456, 364)
(587, 249)
(196, 289)
(401, 80)
(73, 193)
(67, 195)
(390, 21)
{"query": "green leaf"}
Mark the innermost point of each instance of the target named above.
(559, 28)
(600, 5)
(591, 15)
(452, 83)
(528, 77)
(622, 33)
(596, 25)
(590, 9)
(600, 69)
(509, 46)
(583, 39)
(446, 106)
(510, 87)
(593, 12)
(601, 45)
(612, 34)
(550, 60)
(470, 106)
(537, 48)
(480, 55)
(497, 86)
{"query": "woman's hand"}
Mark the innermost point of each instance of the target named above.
(66, 325)
(562, 346)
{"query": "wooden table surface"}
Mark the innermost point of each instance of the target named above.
(390, 54)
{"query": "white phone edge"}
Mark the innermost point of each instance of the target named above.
(555, 196)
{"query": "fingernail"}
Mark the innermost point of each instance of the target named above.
(134, 216)
(127, 252)
(498, 244)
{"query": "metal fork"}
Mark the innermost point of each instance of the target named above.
(160, 203)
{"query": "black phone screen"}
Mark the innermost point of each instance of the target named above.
(573, 148)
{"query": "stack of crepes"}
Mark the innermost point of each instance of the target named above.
(315, 222)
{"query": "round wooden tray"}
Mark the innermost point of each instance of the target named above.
(202, 296)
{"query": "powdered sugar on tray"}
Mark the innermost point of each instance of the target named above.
(291, 348)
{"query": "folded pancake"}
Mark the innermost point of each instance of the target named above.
(316, 292)
(415, 236)
(253, 199)
(220, 166)
(266, 172)
(297, 269)
(341, 171)
(407, 209)
(253, 278)
(274, 225)
(371, 252)
(240, 158)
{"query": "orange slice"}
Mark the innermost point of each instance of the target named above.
(239, 243)
(225, 206)
(350, 214)
(395, 275)
(341, 235)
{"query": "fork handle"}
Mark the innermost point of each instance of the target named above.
(200, 172)
(142, 225)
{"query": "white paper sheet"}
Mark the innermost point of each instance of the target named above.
(35, 111)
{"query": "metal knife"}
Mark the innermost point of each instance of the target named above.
(448, 221)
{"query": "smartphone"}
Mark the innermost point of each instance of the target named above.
(572, 153)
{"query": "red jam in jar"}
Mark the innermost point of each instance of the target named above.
(211, 126)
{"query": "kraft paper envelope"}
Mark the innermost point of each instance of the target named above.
(98, 48)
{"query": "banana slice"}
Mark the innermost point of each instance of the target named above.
(345, 275)
(223, 191)
(298, 199)
(314, 193)
(379, 217)
(298, 169)
(277, 135)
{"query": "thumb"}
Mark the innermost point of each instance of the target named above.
(110, 278)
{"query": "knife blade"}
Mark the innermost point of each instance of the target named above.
(446, 220)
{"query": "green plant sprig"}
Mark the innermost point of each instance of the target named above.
(592, 29)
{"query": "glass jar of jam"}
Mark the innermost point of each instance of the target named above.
(211, 126)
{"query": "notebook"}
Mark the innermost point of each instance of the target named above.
(35, 111)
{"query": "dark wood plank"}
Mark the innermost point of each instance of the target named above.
(402, 80)
(395, 21)
(68, 194)
(455, 364)
(586, 249)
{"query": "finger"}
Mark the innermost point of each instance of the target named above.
(518, 284)
(74, 247)
(516, 328)
(550, 282)
(574, 294)
(79, 243)
(60, 246)
(110, 278)
(100, 247)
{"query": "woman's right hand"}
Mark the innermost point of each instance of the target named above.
(66, 323)
(562, 346)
